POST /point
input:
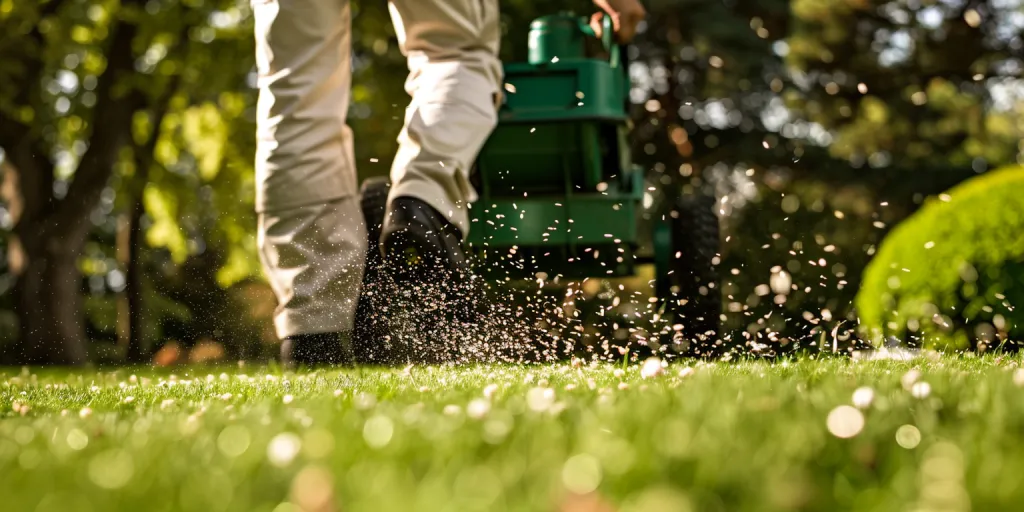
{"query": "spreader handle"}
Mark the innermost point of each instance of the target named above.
(607, 37)
(618, 55)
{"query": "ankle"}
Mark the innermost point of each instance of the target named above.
(314, 349)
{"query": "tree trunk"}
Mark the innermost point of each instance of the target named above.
(133, 287)
(145, 158)
(49, 234)
(48, 304)
(47, 290)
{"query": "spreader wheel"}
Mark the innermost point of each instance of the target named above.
(688, 280)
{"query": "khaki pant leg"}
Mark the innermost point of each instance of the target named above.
(314, 257)
(304, 152)
(455, 82)
(311, 236)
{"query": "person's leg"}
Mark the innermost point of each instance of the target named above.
(455, 83)
(312, 237)
(314, 257)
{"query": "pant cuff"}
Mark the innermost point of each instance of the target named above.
(290, 322)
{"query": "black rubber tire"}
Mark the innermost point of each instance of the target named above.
(696, 299)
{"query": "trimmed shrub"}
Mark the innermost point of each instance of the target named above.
(952, 275)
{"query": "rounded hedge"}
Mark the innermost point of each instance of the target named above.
(951, 275)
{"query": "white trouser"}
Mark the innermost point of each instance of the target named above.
(311, 234)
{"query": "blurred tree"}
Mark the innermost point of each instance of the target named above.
(780, 106)
(910, 83)
(101, 83)
(52, 214)
(910, 97)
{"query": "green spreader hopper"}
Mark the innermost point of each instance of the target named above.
(559, 192)
(555, 179)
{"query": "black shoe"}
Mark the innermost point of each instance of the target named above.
(437, 294)
(419, 244)
(372, 328)
(314, 350)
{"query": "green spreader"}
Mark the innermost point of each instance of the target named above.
(559, 193)
(558, 190)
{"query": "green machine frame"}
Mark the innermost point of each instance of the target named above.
(559, 192)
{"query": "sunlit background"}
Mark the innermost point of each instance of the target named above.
(867, 163)
(126, 130)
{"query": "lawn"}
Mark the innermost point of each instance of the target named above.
(937, 433)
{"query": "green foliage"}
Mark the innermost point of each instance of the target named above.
(952, 274)
(909, 83)
(834, 108)
(192, 59)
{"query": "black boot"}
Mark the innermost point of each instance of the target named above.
(419, 244)
(437, 295)
(316, 349)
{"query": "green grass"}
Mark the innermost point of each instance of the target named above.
(728, 437)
